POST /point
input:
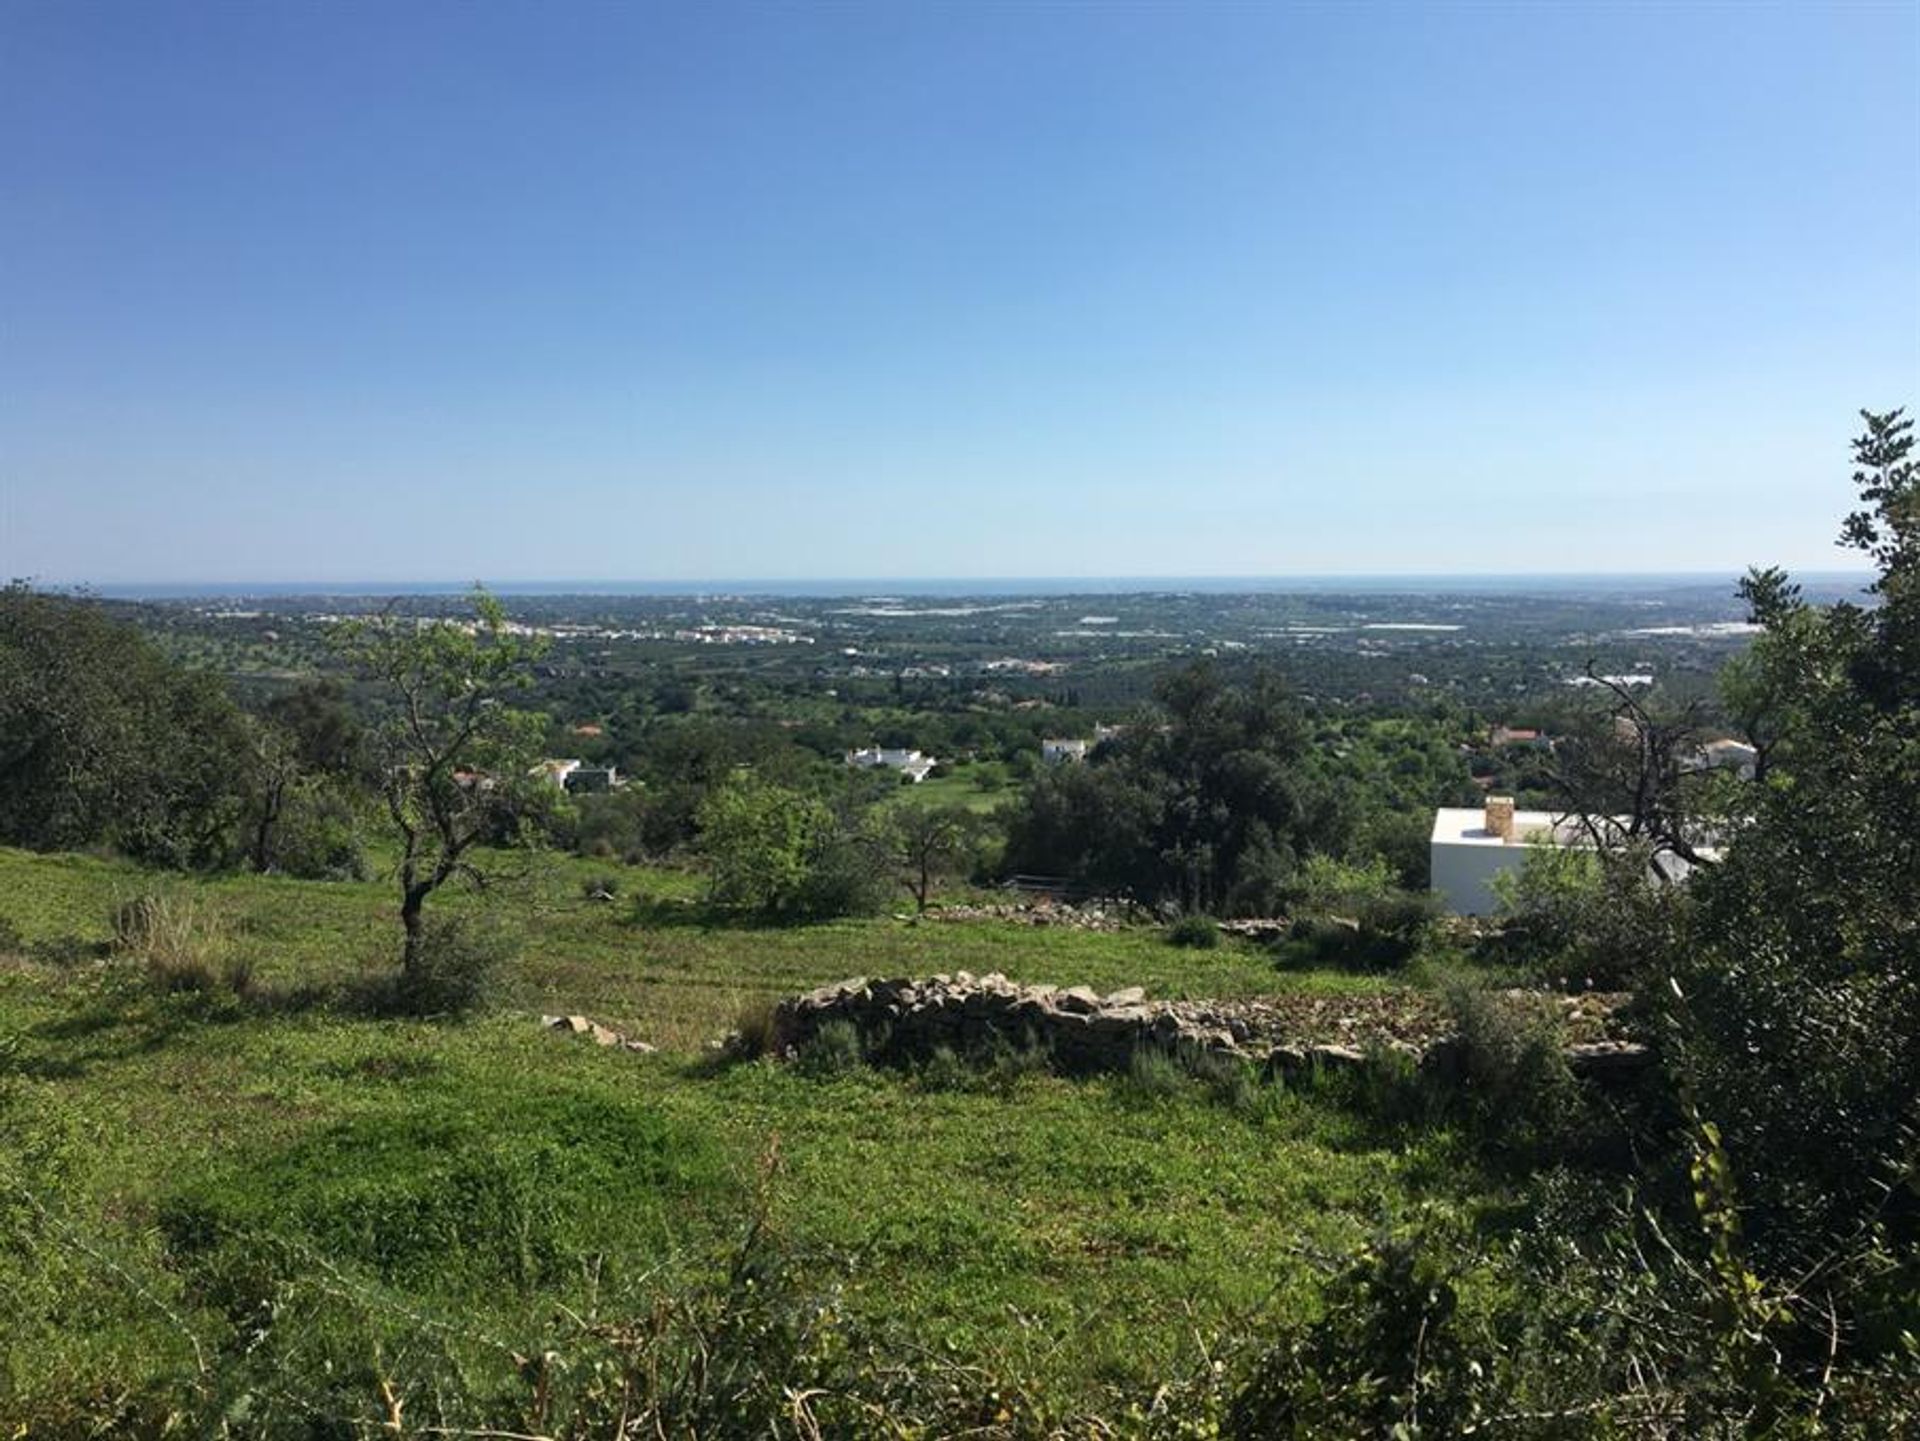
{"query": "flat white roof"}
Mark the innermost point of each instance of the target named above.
(1464, 826)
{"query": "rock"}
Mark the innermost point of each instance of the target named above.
(642, 1048)
(1607, 1061)
(1078, 1000)
(1336, 1058)
(1287, 1062)
(904, 1018)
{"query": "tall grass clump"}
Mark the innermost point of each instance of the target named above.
(180, 942)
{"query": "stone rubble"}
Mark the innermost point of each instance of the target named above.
(1085, 1031)
(600, 1035)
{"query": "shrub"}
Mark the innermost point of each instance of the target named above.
(1355, 916)
(1386, 1357)
(600, 887)
(1581, 919)
(834, 1050)
(12, 943)
(1153, 1075)
(1198, 933)
(456, 967)
(318, 837)
(1513, 1075)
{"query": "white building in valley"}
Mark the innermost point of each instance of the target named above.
(911, 764)
(1055, 751)
(1471, 846)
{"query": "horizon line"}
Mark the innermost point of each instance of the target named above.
(866, 585)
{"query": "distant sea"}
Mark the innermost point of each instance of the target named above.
(1543, 584)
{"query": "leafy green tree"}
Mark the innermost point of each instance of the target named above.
(759, 839)
(1798, 976)
(321, 728)
(453, 755)
(103, 740)
(928, 842)
(1207, 804)
(779, 852)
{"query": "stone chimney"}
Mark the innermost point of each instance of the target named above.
(1500, 817)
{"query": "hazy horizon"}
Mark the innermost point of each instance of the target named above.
(740, 290)
(1048, 586)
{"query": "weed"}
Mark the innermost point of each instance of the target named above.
(1195, 933)
(754, 1031)
(833, 1050)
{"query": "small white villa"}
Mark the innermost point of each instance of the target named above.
(911, 764)
(1470, 847)
(1055, 751)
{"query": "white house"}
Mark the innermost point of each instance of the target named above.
(1470, 847)
(911, 764)
(1724, 755)
(557, 771)
(1054, 751)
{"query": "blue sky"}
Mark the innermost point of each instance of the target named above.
(424, 291)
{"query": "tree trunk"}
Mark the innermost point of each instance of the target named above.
(410, 918)
(263, 834)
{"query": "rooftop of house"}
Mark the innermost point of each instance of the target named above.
(1468, 826)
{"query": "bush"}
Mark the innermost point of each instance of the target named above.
(1153, 1075)
(458, 961)
(834, 1050)
(1583, 920)
(1355, 916)
(1513, 1076)
(1386, 1357)
(318, 837)
(1199, 933)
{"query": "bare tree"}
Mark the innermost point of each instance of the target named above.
(1632, 778)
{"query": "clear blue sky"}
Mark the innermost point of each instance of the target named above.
(424, 291)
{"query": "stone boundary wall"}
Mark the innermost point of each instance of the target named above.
(1085, 1031)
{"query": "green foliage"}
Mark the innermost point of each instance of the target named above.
(1513, 1083)
(834, 1050)
(1355, 916)
(782, 854)
(103, 741)
(453, 756)
(1207, 805)
(1795, 1004)
(1386, 1358)
(1586, 919)
(452, 974)
(1195, 933)
(319, 833)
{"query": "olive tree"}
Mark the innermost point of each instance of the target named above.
(452, 753)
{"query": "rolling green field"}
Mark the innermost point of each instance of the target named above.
(209, 1183)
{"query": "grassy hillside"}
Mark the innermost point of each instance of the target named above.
(190, 1174)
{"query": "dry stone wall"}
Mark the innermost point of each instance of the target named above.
(1083, 1030)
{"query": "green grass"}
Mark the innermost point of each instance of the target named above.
(956, 787)
(181, 1162)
